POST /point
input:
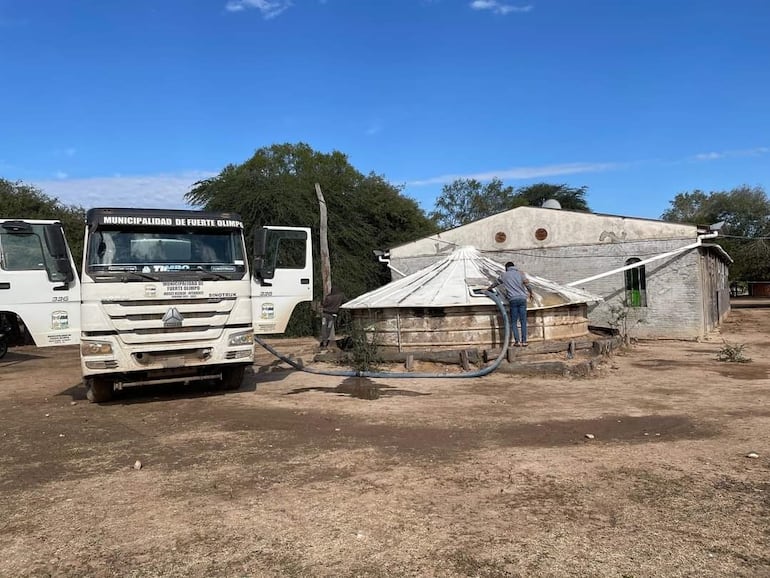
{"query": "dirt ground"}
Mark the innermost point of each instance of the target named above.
(293, 475)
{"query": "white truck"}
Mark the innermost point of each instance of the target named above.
(39, 289)
(165, 296)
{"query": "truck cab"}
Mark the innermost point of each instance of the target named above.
(39, 288)
(167, 296)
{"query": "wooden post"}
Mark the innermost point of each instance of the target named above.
(464, 360)
(326, 271)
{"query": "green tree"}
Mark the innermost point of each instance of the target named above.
(686, 207)
(20, 201)
(276, 186)
(570, 198)
(745, 212)
(466, 200)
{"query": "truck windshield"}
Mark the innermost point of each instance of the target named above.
(203, 253)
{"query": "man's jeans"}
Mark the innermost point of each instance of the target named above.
(327, 327)
(519, 313)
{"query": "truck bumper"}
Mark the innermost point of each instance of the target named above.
(114, 359)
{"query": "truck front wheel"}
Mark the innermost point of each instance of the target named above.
(98, 389)
(232, 377)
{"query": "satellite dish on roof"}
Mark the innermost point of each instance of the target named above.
(551, 204)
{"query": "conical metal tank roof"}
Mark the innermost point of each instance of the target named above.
(451, 282)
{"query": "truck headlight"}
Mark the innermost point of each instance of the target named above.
(242, 338)
(95, 348)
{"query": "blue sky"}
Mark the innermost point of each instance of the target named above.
(128, 103)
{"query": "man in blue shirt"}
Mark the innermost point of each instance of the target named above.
(518, 292)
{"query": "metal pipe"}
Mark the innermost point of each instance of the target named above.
(189, 379)
(386, 260)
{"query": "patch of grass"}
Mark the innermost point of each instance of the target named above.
(732, 353)
(623, 318)
(364, 349)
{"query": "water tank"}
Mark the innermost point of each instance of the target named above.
(551, 204)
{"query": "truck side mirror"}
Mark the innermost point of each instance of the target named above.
(264, 268)
(57, 248)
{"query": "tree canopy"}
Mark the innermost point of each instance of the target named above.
(466, 200)
(20, 201)
(745, 212)
(276, 186)
(570, 198)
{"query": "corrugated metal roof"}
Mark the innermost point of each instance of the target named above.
(450, 283)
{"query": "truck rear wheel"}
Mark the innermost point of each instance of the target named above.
(3, 347)
(98, 389)
(232, 377)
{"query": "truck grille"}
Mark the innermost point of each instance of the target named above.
(201, 319)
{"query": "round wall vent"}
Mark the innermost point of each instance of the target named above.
(541, 234)
(500, 237)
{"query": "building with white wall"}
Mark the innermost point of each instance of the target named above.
(683, 295)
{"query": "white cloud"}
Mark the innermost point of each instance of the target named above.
(164, 191)
(708, 156)
(60, 175)
(498, 7)
(268, 8)
(65, 152)
(374, 128)
(522, 173)
(712, 156)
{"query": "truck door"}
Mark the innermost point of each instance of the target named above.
(282, 276)
(38, 283)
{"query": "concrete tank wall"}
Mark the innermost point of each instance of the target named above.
(405, 329)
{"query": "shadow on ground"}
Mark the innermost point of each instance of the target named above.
(362, 388)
